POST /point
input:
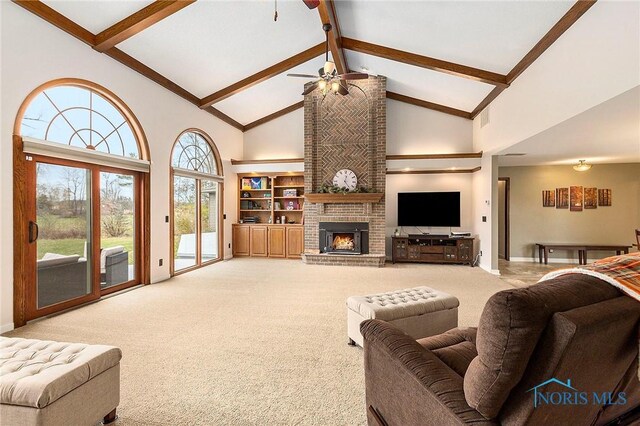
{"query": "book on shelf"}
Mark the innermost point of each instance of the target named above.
(246, 183)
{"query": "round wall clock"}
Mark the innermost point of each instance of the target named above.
(345, 178)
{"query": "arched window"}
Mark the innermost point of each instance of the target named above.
(80, 117)
(196, 180)
(193, 152)
(84, 198)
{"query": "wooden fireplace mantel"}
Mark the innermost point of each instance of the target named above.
(357, 198)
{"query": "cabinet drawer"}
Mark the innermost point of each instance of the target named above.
(435, 257)
(431, 249)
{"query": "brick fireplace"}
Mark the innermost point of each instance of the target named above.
(346, 132)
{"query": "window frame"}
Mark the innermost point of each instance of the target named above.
(21, 199)
(199, 177)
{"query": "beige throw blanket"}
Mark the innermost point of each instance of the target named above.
(622, 272)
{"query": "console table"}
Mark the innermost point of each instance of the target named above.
(434, 249)
(543, 250)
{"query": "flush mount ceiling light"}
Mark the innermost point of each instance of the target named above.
(582, 166)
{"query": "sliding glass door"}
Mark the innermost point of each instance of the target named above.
(209, 218)
(196, 222)
(185, 223)
(117, 229)
(83, 233)
(61, 235)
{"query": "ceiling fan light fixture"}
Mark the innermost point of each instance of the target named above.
(329, 67)
(335, 86)
(322, 84)
(582, 166)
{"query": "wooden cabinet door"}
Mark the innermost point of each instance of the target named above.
(241, 238)
(258, 241)
(464, 250)
(295, 241)
(277, 236)
(399, 249)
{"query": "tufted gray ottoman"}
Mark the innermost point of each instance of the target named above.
(54, 383)
(419, 312)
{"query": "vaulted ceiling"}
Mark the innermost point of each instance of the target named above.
(231, 58)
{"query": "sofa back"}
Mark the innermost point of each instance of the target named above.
(510, 328)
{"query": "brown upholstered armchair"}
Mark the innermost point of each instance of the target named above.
(575, 329)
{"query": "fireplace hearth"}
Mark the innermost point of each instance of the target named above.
(344, 237)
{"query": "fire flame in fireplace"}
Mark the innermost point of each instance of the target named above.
(343, 242)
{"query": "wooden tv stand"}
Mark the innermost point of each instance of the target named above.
(434, 249)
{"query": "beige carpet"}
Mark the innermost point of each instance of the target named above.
(249, 341)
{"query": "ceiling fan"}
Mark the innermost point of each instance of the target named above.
(328, 78)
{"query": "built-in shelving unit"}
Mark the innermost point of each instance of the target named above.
(267, 197)
(263, 199)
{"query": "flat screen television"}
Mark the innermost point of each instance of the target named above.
(429, 209)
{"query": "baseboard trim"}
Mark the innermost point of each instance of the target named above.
(161, 279)
(6, 327)
(489, 270)
(551, 260)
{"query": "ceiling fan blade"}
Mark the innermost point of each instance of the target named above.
(311, 4)
(302, 75)
(310, 89)
(321, 72)
(354, 76)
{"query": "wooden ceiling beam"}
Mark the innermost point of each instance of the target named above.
(486, 101)
(275, 115)
(57, 20)
(139, 21)
(263, 75)
(429, 105)
(569, 18)
(425, 62)
(577, 10)
(328, 15)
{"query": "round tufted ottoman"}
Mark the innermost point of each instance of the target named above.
(56, 383)
(419, 312)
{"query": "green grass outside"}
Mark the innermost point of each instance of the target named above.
(76, 246)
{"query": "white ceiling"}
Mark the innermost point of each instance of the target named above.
(607, 133)
(422, 83)
(97, 16)
(273, 95)
(491, 35)
(212, 44)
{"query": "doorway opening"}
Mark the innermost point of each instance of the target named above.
(504, 184)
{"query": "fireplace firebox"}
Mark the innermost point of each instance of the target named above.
(344, 237)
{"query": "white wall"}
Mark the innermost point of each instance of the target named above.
(597, 59)
(279, 138)
(416, 130)
(428, 183)
(410, 130)
(34, 52)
